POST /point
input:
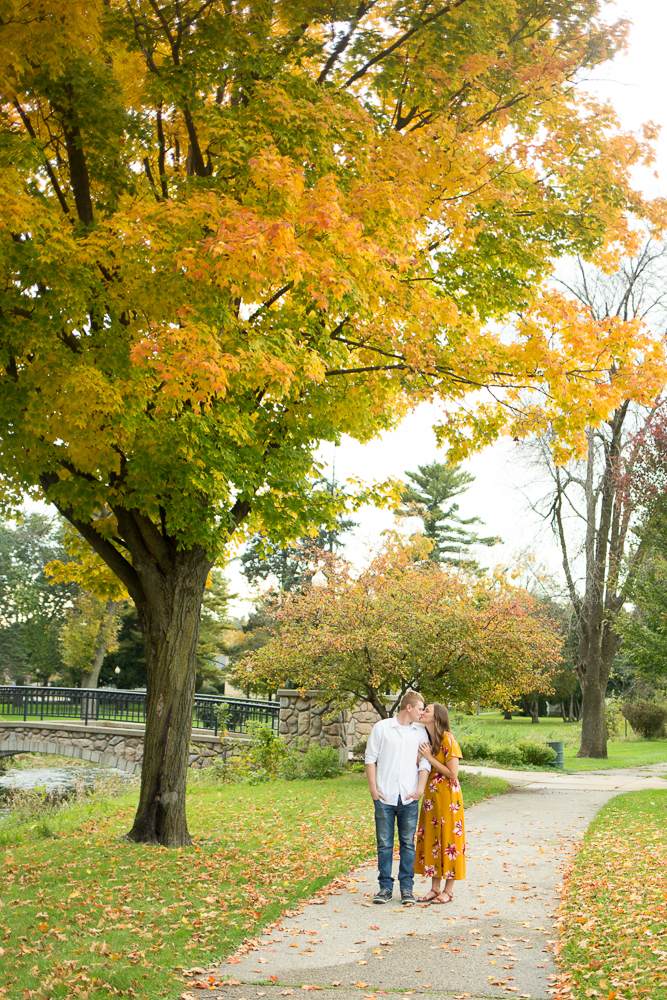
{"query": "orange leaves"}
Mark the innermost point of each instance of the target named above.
(244, 265)
(406, 620)
(586, 368)
(612, 924)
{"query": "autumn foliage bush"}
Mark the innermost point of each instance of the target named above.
(646, 718)
(406, 622)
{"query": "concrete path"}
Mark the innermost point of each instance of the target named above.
(613, 779)
(494, 940)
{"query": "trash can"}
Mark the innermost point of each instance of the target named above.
(559, 761)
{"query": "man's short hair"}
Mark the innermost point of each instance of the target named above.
(411, 698)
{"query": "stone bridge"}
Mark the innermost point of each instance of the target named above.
(109, 744)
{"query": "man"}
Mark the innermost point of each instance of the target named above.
(396, 788)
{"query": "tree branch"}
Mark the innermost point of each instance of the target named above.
(116, 562)
(401, 41)
(345, 39)
(49, 169)
(78, 168)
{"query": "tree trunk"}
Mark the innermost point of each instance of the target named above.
(507, 715)
(91, 679)
(534, 711)
(170, 625)
(593, 729)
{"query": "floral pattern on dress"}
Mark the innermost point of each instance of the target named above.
(442, 840)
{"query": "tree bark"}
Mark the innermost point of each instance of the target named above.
(170, 624)
(534, 711)
(507, 715)
(166, 582)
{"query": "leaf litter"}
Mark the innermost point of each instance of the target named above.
(613, 916)
(89, 915)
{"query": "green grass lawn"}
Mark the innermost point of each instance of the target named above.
(85, 911)
(632, 751)
(613, 933)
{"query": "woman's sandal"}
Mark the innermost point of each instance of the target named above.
(428, 897)
(439, 901)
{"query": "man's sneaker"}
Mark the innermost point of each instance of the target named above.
(407, 897)
(383, 896)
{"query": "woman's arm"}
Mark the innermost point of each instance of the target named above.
(450, 769)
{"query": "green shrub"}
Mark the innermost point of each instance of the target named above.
(290, 765)
(646, 718)
(613, 718)
(475, 748)
(535, 753)
(320, 762)
(360, 749)
(507, 754)
(267, 748)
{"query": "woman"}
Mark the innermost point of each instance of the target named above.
(441, 845)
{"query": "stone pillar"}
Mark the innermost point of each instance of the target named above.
(360, 721)
(304, 721)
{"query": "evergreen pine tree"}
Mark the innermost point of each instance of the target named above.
(429, 497)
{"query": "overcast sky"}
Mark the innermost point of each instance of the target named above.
(636, 85)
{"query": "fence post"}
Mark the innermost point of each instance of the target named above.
(25, 706)
(85, 698)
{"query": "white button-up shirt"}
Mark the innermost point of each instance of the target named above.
(395, 749)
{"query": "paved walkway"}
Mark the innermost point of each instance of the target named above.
(613, 779)
(494, 940)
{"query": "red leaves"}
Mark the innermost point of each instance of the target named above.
(485, 638)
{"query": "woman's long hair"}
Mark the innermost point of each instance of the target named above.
(440, 724)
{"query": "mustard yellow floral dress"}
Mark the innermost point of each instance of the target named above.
(441, 846)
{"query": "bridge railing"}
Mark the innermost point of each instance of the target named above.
(95, 704)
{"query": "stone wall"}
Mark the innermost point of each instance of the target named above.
(360, 721)
(304, 722)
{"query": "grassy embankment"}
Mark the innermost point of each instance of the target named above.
(632, 751)
(614, 913)
(86, 912)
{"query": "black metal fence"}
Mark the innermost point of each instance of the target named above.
(93, 705)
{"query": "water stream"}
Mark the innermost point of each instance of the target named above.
(62, 779)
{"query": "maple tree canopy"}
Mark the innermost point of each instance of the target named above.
(231, 231)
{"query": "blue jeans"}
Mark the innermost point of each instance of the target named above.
(405, 816)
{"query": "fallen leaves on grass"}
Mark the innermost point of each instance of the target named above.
(101, 915)
(613, 938)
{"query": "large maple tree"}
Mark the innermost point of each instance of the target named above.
(230, 231)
